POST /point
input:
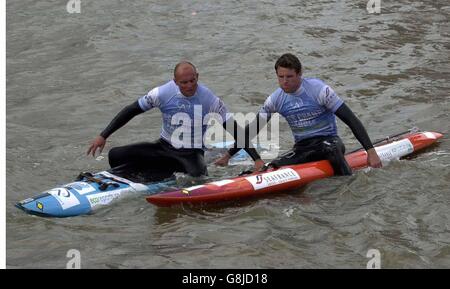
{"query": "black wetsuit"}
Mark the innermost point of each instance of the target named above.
(322, 147)
(154, 161)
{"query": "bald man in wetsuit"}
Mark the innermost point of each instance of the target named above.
(161, 158)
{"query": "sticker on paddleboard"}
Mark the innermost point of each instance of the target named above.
(64, 197)
(273, 178)
(395, 150)
(103, 198)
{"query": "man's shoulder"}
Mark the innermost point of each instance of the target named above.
(203, 89)
(277, 93)
(314, 86)
(206, 94)
(168, 86)
(314, 82)
(275, 99)
(165, 91)
(156, 96)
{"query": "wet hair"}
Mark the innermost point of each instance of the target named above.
(290, 61)
(181, 63)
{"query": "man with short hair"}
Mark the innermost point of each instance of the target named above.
(309, 106)
(184, 97)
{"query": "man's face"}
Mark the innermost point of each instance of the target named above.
(288, 79)
(186, 79)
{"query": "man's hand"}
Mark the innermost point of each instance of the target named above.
(223, 161)
(258, 165)
(98, 143)
(373, 160)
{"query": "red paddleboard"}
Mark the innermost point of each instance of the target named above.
(290, 177)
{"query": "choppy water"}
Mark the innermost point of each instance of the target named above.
(69, 74)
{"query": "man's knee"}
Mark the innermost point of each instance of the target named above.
(198, 171)
(288, 158)
(333, 146)
(334, 149)
(116, 156)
